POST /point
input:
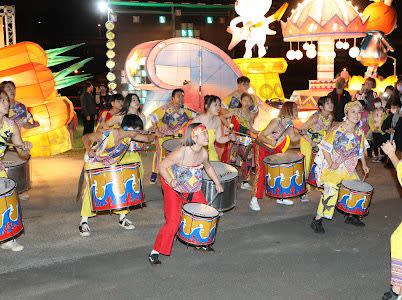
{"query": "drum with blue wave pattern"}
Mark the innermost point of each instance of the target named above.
(115, 187)
(285, 175)
(354, 197)
(312, 177)
(11, 217)
(198, 224)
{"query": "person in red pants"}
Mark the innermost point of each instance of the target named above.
(181, 173)
(275, 138)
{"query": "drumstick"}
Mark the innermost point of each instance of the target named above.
(364, 178)
(13, 145)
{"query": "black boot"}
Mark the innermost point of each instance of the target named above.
(316, 225)
(354, 220)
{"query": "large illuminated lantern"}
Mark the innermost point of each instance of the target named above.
(26, 64)
(255, 25)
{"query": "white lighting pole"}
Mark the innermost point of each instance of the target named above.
(394, 59)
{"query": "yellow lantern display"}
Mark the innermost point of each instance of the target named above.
(26, 65)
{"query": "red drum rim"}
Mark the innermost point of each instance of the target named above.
(12, 188)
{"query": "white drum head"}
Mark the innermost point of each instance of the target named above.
(6, 185)
(11, 159)
(283, 158)
(171, 145)
(357, 185)
(201, 210)
(224, 171)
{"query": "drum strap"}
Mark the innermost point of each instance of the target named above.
(189, 198)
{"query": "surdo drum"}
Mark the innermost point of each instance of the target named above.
(172, 144)
(227, 176)
(285, 175)
(10, 210)
(354, 197)
(18, 170)
(198, 224)
(115, 187)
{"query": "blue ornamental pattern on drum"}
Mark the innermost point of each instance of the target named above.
(11, 226)
(280, 190)
(196, 236)
(352, 206)
(111, 199)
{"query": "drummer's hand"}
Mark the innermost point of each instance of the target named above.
(219, 188)
(26, 146)
(173, 183)
(35, 124)
(389, 148)
(334, 165)
(232, 137)
(366, 170)
(91, 153)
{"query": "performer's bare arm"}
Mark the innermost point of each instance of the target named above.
(211, 173)
(264, 135)
(89, 139)
(25, 147)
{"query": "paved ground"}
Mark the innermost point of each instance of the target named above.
(267, 255)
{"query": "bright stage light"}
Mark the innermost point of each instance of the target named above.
(162, 19)
(103, 7)
(354, 52)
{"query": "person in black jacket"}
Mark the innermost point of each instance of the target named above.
(88, 108)
(392, 125)
(339, 97)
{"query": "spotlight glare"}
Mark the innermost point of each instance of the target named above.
(102, 6)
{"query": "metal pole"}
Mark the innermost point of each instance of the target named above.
(173, 22)
(394, 59)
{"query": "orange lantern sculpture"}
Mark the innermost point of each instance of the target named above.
(26, 65)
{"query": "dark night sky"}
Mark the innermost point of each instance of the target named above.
(56, 23)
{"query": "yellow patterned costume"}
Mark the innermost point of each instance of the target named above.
(346, 148)
(6, 132)
(169, 122)
(316, 134)
(107, 154)
(396, 246)
(213, 155)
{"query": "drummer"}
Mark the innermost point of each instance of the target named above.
(396, 239)
(168, 121)
(242, 119)
(105, 115)
(314, 130)
(104, 149)
(18, 111)
(337, 160)
(131, 106)
(275, 138)
(211, 120)
(9, 132)
(181, 181)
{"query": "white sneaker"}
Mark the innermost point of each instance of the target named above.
(284, 202)
(12, 245)
(246, 186)
(126, 224)
(254, 204)
(304, 198)
(84, 229)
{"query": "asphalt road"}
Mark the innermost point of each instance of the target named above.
(272, 254)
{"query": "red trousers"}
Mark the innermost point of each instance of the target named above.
(172, 204)
(259, 154)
